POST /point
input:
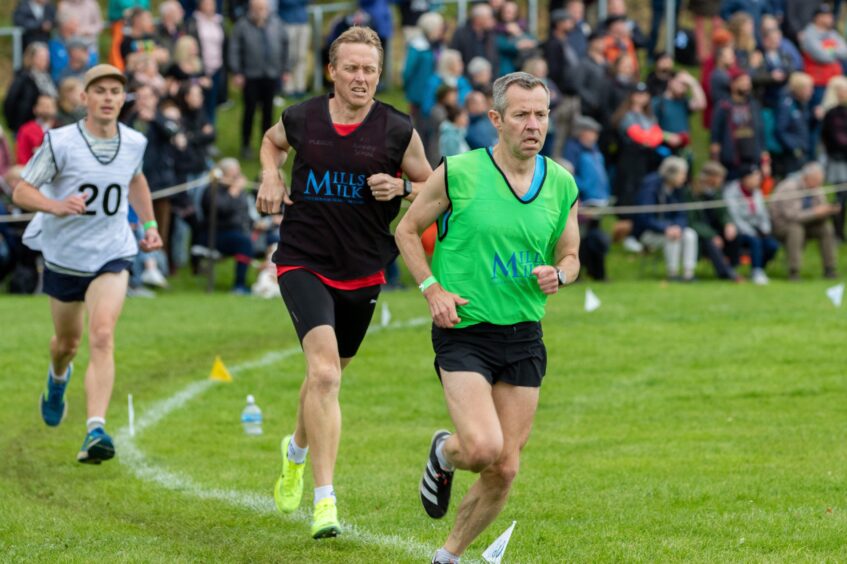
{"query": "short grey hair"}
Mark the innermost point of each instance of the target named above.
(478, 64)
(672, 166)
(448, 58)
(813, 167)
(481, 9)
(229, 164)
(521, 79)
(430, 22)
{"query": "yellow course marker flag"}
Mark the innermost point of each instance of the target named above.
(219, 371)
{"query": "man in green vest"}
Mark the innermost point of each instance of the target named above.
(507, 238)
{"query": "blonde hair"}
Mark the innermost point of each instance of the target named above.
(184, 57)
(798, 80)
(736, 28)
(830, 96)
(356, 34)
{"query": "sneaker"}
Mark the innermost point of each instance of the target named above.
(96, 447)
(288, 490)
(140, 292)
(759, 277)
(325, 521)
(154, 277)
(632, 245)
(436, 482)
(53, 406)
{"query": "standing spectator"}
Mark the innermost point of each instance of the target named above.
(754, 8)
(67, 27)
(90, 20)
(206, 26)
(141, 108)
(537, 67)
(743, 32)
(79, 60)
(834, 138)
(704, 10)
(657, 14)
(449, 72)
(477, 37)
(594, 82)
(118, 13)
(171, 25)
(668, 231)
(31, 81)
(480, 74)
(141, 39)
(682, 97)
(37, 18)
(70, 106)
(514, 43)
(798, 14)
(748, 213)
(717, 235)
(258, 57)
(144, 70)
(737, 135)
(411, 12)
(295, 19)
(481, 132)
(563, 63)
(31, 134)
(805, 214)
(720, 38)
(187, 66)
(451, 134)
(618, 41)
(777, 65)
(615, 10)
(793, 119)
(663, 71)
(199, 135)
(721, 76)
(787, 45)
(382, 22)
(578, 38)
(422, 52)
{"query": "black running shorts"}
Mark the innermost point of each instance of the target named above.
(71, 288)
(311, 303)
(514, 354)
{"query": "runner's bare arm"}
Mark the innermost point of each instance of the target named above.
(142, 203)
(30, 198)
(566, 257)
(272, 155)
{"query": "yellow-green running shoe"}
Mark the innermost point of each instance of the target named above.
(325, 522)
(288, 489)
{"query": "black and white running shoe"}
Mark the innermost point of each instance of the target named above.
(436, 482)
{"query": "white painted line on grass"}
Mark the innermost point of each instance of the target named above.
(132, 456)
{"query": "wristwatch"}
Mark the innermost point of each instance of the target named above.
(562, 278)
(407, 187)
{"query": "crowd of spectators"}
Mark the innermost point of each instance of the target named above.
(771, 94)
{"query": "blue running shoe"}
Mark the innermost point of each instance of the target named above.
(96, 447)
(53, 406)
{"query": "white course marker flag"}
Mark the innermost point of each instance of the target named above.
(592, 302)
(385, 317)
(836, 294)
(131, 412)
(494, 553)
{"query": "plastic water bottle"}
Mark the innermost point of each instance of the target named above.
(251, 417)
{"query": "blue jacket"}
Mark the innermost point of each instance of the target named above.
(293, 11)
(589, 172)
(59, 58)
(481, 132)
(792, 124)
(434, 81)
(652, 193)
(419, 66)
(381, 18)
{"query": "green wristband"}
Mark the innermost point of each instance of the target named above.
(427, 283)
(151, 225)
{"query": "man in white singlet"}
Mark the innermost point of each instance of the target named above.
(82, 181)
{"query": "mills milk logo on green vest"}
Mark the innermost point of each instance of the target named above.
(515, 266)
(335, 186)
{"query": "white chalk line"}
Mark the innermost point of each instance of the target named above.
(133, 457)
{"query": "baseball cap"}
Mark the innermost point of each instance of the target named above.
(100, 72)
(823, 8)
(586, 122)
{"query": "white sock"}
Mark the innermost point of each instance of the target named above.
(296, 454)
(442, 459)
(93, 422)
(59, 379)
(324, 492)
(444, 556)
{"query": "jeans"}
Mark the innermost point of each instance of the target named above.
(762, 249)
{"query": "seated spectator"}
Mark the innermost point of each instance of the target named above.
(88, 13)
(66, 32)
(792, 125)
(748, 212)
(477, 37)
(141, 39)
(30, 82)
(481, 132)
(31, 134)
(513, 41)
(834, 138)
(37, 18)
(70, 106)
(799, 213)
(79, 60)
(232, 237)
(717, 235)
(451, 134)
(589, 170)
(668, 231)
(171, 26)
(737, 135)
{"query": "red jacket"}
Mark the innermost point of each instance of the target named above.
(30, 137)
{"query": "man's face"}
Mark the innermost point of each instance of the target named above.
(813, 179)
(523, 125)
(259, 10)
(355, 73)
(587, 137)
(45, 108)
(742, 85)
(677, 87)
(78, 57)
(824, 21)
(104, 99)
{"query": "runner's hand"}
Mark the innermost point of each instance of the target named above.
(272, 194)
(385, 187)
(152, 240)
(442, 306)
(72, 205)
(548, 279)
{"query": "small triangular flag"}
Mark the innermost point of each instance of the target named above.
(219, 371)
(592, 302)
(385, 317)
(835, 294)
(494, 553)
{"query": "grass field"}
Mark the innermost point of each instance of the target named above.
(686, 423)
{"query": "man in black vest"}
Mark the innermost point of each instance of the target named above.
(335, 242)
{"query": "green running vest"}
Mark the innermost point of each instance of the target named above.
(489, 241)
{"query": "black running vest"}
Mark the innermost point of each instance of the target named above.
(335, 226)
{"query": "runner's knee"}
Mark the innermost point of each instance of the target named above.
(67, 345)
(324, 378)
(482, 451)
(102, 337)
(502, 473)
